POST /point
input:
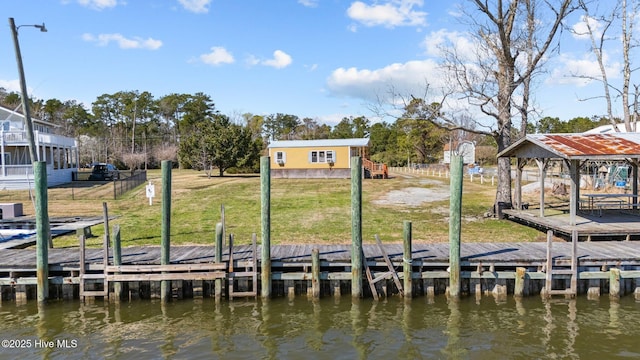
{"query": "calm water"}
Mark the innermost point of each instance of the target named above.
(326, 329)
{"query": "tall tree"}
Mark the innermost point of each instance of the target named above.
(600, 29)
(281, 126)
(420, 137)
(510, 41)
(350, 127)
(217, 142)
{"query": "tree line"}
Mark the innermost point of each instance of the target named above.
(135, 130)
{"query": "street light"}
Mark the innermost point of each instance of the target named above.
(23, 88)
(43, 229)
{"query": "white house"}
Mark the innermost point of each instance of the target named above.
(16, 171)
(608, 129)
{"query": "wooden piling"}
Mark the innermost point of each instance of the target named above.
(356, 227)
(519, 289)
(265, 209)
(315, 273)
(43, 230)
(117, 260)
(218, 259)
(407, 260)
(455, 218)
(614, 283)
(165, 256)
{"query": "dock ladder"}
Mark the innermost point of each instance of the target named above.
(93, 274)
(572, 271)
(391, 271)
(250, 271)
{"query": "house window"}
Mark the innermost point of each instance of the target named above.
(281, 157)
(322, 156)
(330, 157)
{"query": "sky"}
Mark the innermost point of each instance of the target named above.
(323, 59)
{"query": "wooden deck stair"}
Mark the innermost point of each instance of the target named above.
(572, 271)
(250, 272)
(376, 170)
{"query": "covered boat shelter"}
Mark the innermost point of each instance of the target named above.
(575, 151)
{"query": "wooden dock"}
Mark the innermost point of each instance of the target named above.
(485, 268)
(591, 225)
(59, 226)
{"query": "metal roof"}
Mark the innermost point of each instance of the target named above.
(360, 142)
(614, 146)
(8, 114)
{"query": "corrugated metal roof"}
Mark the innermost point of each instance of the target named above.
(319, 143)
(576, 146)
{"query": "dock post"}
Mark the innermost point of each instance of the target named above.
(218, 259)
(43, 230)
(521, 278)
(265, 209)
(407, 260)
(315, 273)
(455, 217)
(165, 256)
(614, 283)
(356, 227)
(117, 260)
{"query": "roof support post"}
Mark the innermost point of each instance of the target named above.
(634, 175)
(574, 171)
(542, 174)
(517, 190)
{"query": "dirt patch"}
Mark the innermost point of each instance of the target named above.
(415, 196)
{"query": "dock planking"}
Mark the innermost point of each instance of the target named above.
(595, 253)
(611, 224)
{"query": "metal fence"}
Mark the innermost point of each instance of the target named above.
(125, 184)
(83, 188)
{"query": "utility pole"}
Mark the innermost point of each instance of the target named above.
(43, 229)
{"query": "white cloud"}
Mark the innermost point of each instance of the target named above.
(196, 6)
(405, 78)
(11, 85)
(389, 13)
(580, 30)
(280, 60)
(463, 45)
(217, 56)
(582, 71)
(123, 42)
(98, 4)
(309, 3)
(252, 60)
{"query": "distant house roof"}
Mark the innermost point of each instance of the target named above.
(611, 146)
(8, 114)
(606, 129)
(360, 142)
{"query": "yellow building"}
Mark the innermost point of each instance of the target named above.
(327, 158)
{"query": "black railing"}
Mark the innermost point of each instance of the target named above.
(124, 184)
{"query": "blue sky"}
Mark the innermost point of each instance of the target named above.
(324, 59)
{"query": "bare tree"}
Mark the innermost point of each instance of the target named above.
(133, 160)
(510, 40)
(598, 27)
(169, 152)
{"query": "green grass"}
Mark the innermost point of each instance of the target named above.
(303, 211)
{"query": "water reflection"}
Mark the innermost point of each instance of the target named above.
(328, 328)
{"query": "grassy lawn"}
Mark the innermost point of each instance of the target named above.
(302, 210)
